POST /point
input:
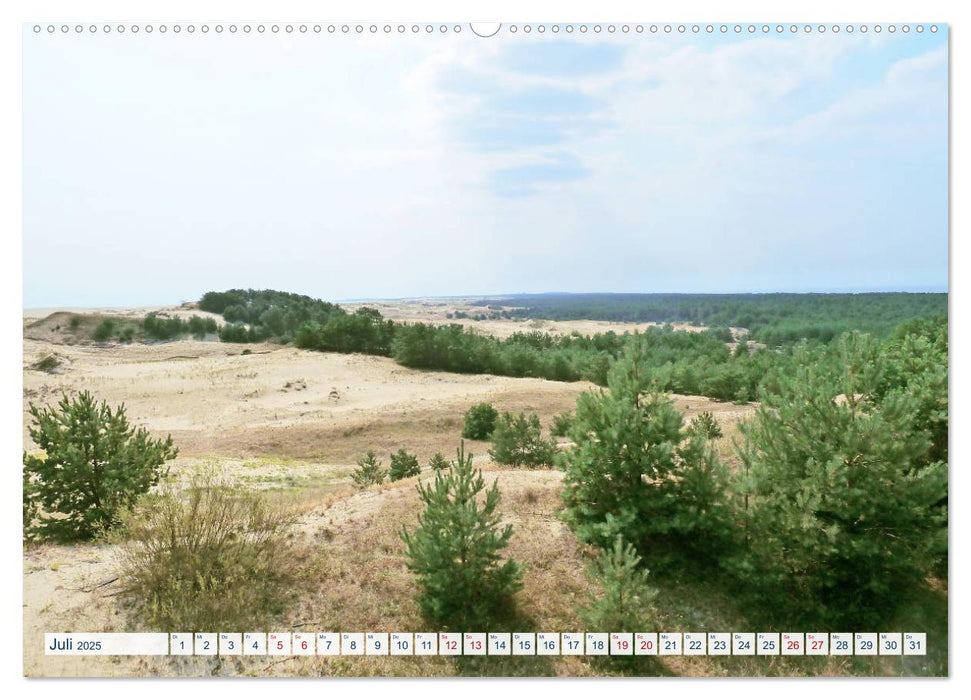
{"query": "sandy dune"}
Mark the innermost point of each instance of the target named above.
(210, 397)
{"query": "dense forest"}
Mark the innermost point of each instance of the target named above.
(770, 318)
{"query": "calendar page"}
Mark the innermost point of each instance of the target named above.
(424, 348)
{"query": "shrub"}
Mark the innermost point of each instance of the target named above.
(104, 330)
(561, 424)
(208, 557)
(48, 363)
(455, 550)
(403, 465)
(518, 441)
(916, 362)
(74, 323)
(626, 602)
(726, 382)
(161, 328)
(199, 327)
(631, 472)
(233, 333)
(438, 462)
(705, 426)
(845, 512)
(368, 471)
(480, 421)
(94, 464)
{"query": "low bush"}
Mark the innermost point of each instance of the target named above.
(209, 557)
(104, 331)
(480, 421)
(562, 422)
(438, 462)
(403, 465)
(518, 441)
(369, 471)
(47, 364)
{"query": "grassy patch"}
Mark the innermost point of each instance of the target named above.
(48, 364)
(209, 556)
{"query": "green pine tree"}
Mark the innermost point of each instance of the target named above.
(480, 421)
(518, 441)
(368, 471)
(626, 604)
(456, 550)
(633, 473)
(94, 464)
(705, 425)
(845, 513)
(560, 426)
(403, 465)
(438, 462)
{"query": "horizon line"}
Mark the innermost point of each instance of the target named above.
(507, 295)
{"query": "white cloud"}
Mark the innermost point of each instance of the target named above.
(911, 95)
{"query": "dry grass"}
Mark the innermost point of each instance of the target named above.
(356, 580)
(210, 555)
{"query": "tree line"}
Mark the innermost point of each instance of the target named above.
(774, 319)
(151, 327)
(698, 363)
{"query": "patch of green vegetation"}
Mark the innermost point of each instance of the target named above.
(403, 465)
(518, 441)
(94, 466)
(480, 421)
(49, 363)
(156, 327)
(369, 471)
(455, 550)
(837, 518)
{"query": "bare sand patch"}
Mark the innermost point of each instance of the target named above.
(288, 403)
(281, 401)
(438, 312)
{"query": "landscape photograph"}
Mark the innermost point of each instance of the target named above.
(393, 332)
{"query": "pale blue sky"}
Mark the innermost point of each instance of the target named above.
(157, 167)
